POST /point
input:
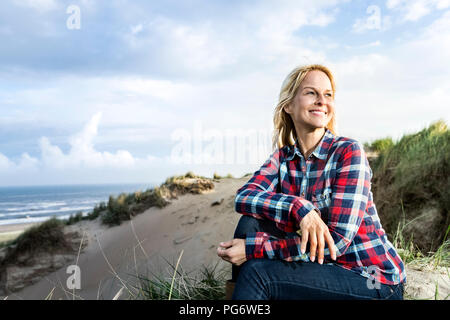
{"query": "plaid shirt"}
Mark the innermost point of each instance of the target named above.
(334, 181)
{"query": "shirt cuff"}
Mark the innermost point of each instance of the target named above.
(254, 244)
(301, 208)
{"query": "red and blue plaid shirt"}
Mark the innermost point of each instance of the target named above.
(335, 181)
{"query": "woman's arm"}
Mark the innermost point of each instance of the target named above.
(349, 200)
(258, 198)
(350, 194)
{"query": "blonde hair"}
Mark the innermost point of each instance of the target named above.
(284, 129)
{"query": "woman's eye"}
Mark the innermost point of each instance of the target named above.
(310, 92)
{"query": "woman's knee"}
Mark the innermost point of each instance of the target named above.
(253, 266)
(246, 224)
(252, 281)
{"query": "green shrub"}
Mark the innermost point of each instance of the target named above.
(117, 211)
(381, 145)
(74, 218)
(96, 212)
(155, 198)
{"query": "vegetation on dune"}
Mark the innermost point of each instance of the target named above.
(125, 206)
(411, 185)
(208, 284)
(218, 177)
(45, 237)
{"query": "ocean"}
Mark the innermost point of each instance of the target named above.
(40, 203)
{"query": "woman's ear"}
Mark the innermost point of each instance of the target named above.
(287, 108)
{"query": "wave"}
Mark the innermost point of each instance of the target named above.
(43, 212)
(31, 220)
(35, 206)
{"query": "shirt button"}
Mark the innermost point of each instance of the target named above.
(303, 194)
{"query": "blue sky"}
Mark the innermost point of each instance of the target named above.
(141, 83)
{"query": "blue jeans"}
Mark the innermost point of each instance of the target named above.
(265, 279)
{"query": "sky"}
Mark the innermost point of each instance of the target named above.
(117, 91)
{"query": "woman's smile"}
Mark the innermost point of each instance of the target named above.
(318, 113)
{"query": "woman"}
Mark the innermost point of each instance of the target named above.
(310, 228)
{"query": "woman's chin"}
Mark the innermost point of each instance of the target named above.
(319, 125)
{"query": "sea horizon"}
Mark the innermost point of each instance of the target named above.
(74, 184)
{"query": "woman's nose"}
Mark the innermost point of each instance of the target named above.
(320, 100)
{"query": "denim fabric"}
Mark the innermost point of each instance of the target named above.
(265, 279)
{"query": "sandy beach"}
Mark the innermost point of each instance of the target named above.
(11, 231)
(7, 228)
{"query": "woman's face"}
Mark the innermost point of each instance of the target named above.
(313, 104)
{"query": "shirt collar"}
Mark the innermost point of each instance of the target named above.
(320, 152)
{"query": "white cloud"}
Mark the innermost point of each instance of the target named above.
(266, 33)
(142, 86)
(25, 163)
(377, 23)
(137, 28)
(414, 10)
(82, 152)
(442, 4)
(82, 163)
(5, 163)
(39, 5)
(431, 46)
(362, 66)
(439, 27)
(391, 93)
(186, 47)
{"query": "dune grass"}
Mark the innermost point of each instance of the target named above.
(218, 177)
(45, 237)
(411, 254)
(410, 177)
(177, 284)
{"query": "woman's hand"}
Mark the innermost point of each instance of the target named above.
(316, 232)
(232, 251)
